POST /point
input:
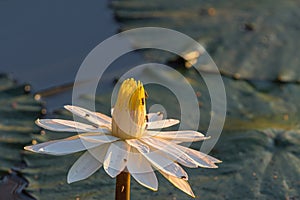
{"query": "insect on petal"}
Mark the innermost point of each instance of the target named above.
(179, 183)
(89, 115)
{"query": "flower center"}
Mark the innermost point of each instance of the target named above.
(129, 115)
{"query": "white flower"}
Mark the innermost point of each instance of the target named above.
(127, 141)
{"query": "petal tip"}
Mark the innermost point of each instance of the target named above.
(111, 174)
(37, 121)
(28, 148)
(68, 107)
(69, 180)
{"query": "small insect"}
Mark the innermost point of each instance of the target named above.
(94, 125)
(183, 177)
(143, 101)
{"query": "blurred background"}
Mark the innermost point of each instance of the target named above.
(254, 44)
(44, 43)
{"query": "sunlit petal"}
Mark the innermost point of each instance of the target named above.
(111, 111)
(162, 123)
(89, 115)
(104, 117)
(138, 145)
(164, 164)
(87, 164)
(200, 158)
(182, 136)
(116, 158)
(68, 126)
(179, 183)
(64, 146)
(141, 170)
(98, 138)
(155, 116)
(171, 151)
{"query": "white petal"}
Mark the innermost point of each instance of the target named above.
(179, 136)
(64, 146)
(155, 116)
(179, 183)
(68, 126)
(163, 163)
(98, 138)
(116, 158)
(138, 145)
(104, 117)
(171, 151)
(162, 123)
(200, 158)
(89, 115)
(87, 164)
(141, 170)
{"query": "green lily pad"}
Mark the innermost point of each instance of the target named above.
(256, 40)
(250, 105)
(18, 110)
(256, 165)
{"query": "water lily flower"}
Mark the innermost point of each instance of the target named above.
(130, 140)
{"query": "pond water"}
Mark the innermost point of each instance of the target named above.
(44, 43)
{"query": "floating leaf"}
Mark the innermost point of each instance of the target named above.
(18, 109)
(254, 40)
(256, 165)
(17, 112)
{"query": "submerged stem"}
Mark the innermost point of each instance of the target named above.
(123, 186)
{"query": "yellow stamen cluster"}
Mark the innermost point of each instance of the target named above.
(129, 116)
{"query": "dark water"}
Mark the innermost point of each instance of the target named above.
(44, 42)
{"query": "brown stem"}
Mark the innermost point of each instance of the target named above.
(123, 186)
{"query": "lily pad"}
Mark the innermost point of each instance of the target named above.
(253, 40)
(18, 109)
(250, 105)
(256, 165)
